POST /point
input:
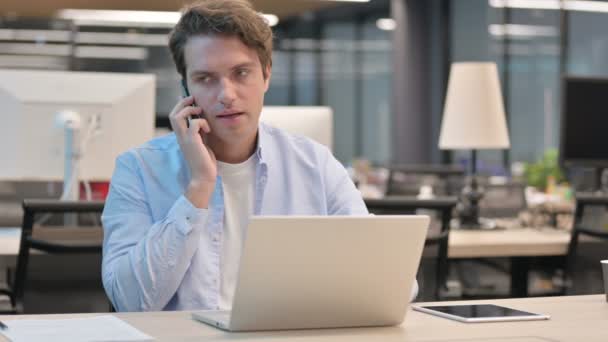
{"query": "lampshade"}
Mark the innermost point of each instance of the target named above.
(474, 114)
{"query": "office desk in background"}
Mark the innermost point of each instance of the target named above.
(575, 318)
(520, 245)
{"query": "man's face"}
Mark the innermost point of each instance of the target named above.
(225, 77)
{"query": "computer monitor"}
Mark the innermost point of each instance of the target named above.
(313, 122)
(584, 122)
(31, 139)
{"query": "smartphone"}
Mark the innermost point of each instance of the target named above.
(186, 93)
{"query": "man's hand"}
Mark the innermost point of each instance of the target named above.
(201, 160)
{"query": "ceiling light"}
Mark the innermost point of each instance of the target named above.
(586, 6)
(386, 24)
(513, 30)
(129, 18)
(110, 17)
(570, 5)
(530, 4)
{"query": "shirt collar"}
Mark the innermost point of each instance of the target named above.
(262, 141)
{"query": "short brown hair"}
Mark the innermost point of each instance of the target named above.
(222, 17)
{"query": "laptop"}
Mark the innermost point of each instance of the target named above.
(310, 272)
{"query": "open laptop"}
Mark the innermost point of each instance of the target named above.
(306, 272)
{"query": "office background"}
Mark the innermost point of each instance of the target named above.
(385, 80)
(382, 66)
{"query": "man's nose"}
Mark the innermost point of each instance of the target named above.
(227, 93)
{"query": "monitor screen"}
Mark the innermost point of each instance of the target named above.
(584, 122)
(32, 138)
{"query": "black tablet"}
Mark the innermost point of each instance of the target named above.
(480, 313)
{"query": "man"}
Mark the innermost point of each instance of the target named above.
(178, 206)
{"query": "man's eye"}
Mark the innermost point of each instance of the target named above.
(243, 72)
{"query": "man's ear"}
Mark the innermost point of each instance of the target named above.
(267, 75)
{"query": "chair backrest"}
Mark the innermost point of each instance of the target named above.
(406, 180)
(503, 200)
(313, 122)
(582, 227)
(62, 239)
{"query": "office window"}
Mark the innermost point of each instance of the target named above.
(339, 86)
(305, 75)
(533, 94)
(278, 91)
(588, 44)
(376, 77)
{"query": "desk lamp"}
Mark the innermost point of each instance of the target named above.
(473, 119)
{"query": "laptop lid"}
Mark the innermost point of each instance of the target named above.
(302, 272)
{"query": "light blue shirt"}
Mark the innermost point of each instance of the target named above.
(162, 253)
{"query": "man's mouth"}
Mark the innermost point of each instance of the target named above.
(229, 115)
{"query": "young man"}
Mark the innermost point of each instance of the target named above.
(179, 205)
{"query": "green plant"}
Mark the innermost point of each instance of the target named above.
(536, 174)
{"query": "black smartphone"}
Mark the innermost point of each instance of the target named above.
(186, 93)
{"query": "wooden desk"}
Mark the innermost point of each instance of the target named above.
(526, 242)
(520, 245)
(463, 243)
(576, 318)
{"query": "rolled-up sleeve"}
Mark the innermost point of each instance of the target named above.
(145, 261)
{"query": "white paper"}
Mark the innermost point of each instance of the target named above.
(98, 328)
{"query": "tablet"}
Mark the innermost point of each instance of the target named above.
(480, 313)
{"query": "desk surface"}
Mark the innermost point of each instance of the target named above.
(576, 318)
(463, 243)
(507, 243)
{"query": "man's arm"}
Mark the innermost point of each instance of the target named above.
(145, 261)
(343, 198)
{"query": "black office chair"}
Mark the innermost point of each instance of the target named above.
(401, 205)
(581, 228)
(51, 239)
(503, 200)
(405, 180)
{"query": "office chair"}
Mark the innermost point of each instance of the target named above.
(503, 200)
(581, 228)
(51, 239)
(406, 180)
(401, 205)
(499, 206)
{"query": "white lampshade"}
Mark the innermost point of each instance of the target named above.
(474, 114)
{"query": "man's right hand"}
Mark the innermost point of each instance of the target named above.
(200, 158)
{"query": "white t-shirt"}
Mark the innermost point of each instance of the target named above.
(238, 182)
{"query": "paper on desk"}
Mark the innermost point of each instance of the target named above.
(99, 328)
